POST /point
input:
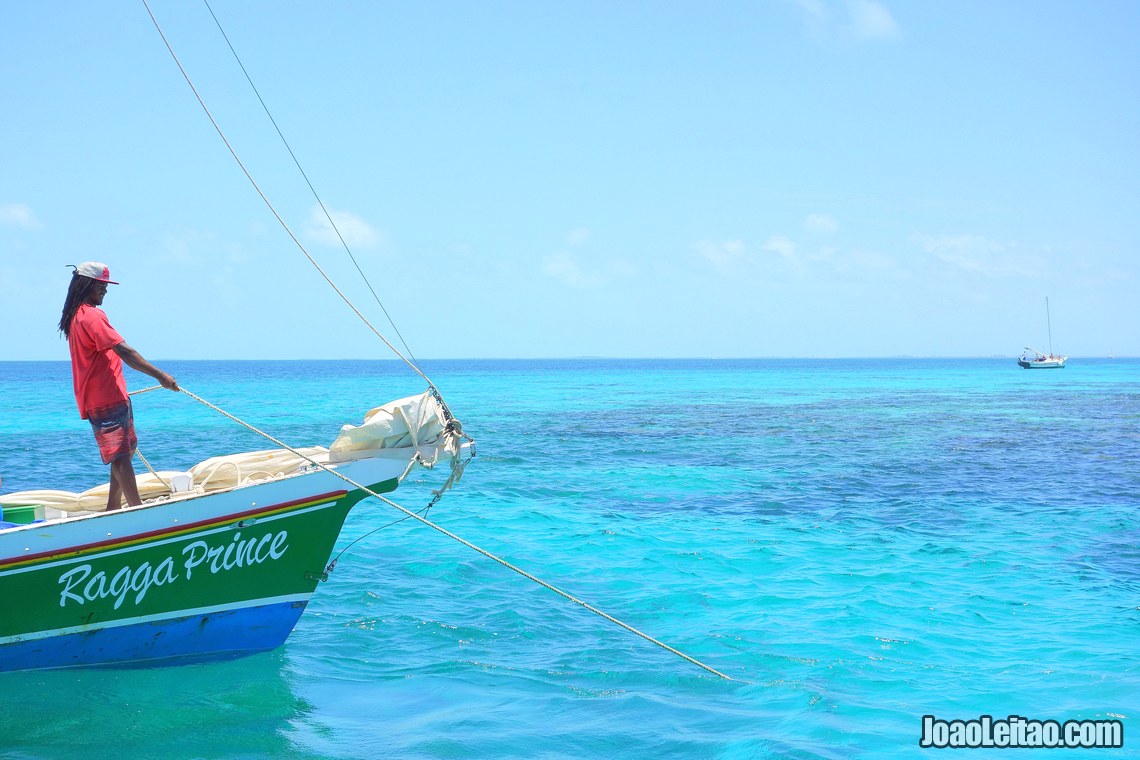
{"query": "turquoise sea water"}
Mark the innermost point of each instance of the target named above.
(858, 543)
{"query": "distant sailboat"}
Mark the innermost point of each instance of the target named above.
(1039, 360)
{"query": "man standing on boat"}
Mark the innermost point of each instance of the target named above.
(97, 356)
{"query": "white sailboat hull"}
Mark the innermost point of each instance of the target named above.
(1049, 362)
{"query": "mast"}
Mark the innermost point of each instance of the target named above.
(1049, 323)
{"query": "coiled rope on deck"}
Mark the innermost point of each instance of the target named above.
(449, 534)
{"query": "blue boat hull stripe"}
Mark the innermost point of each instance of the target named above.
(193, 638)
(157, 618)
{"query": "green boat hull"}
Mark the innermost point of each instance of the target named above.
(209, 577)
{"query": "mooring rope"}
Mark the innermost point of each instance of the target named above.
(452, 422)
(288, 230)
(449, 534)
(305, 176)
(139, 454)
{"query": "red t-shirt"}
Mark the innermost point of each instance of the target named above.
(96, 370)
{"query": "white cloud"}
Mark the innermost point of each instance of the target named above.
(356, 232)
(563, 268)
(815, 10)
(780, 255)
(782, 246)
(972, 253)
(576, 267)
(821, 223)
(864, 20)
(179, 248)
(620, 268)
(855, 265)
(870, 20)
(19, 215)
(825, 255)
(567, 270)
(866, 261)
(728, 254)
(723, 254)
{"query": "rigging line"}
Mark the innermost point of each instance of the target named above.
(438, 493)
(273, 210)
(336, 559)
(465, 542)
(161, 479)
(312, 189)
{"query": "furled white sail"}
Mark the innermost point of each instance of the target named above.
(411, 428)
(405, 423)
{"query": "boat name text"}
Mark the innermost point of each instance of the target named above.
(80, 586)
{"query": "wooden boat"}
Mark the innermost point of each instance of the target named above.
(220, 563)
(214, 565)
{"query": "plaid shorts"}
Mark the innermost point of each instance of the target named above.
(114, 429)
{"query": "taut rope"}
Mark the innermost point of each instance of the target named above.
(453, 424)
(281, 221)
(297, 163)
(451, 535)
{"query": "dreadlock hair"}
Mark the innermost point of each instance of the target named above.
(77, 294)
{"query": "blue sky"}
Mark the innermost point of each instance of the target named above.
(821, 178)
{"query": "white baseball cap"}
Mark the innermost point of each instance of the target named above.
(96, 270)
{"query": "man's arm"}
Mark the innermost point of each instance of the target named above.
(135, 360)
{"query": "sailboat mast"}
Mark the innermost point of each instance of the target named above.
(1049, 322)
